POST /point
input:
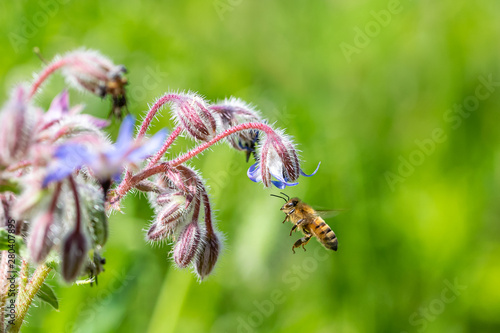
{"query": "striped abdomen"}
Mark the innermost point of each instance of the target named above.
(324, 234)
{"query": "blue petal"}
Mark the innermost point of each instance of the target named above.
(69, 158)
(150, 147)
(117, 176)
(278, 184)
(57, 173)
(281, 183)
(74, 154)
(312, 174)
(254, 173)
(125, 135)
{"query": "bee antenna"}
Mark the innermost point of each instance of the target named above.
(287, 197)
(277, 196)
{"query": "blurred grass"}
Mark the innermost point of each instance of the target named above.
(397, 248)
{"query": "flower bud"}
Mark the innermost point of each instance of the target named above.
(278, 159)
(171, 211)
(16, 128)
(6, 201)
(158, 232)
(192, 113)
(233, 112)
(207, 255)
(187, 244)
(41, 237)
(91, 71)
(74, 255)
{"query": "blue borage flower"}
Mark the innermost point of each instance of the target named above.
(105, 162)
(278, 158)
(255, 175)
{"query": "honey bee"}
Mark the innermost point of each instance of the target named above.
(115, 87)
(309, 221)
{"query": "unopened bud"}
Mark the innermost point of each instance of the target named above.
(40, 241)
(91, 71)
(16, 128)
(193, 114)
(187, 244)
(233, 112)
(207, 256)
(158, 232)
(170, 212)
(74, 255)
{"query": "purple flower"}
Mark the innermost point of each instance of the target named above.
(105, 162)
(278, 159)
(254, 173)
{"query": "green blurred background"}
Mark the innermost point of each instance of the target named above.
(402, 241)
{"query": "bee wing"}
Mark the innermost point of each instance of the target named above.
(326, 214)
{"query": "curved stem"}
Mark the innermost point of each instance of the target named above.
(45, 74)
(190, 154)
(26, 296)
(165, 147)
(152, 112)
(125, 187)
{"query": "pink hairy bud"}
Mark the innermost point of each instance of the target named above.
(16, 128)
(192, 113)
(40, 241)
(74, 255)
(186, 247)
(207, 255)
(232, 112)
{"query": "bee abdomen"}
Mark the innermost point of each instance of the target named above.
(326, 236)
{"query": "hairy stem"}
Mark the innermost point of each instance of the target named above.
(190, 154)
(24, 274)
(152, 112)
(165, 147)
(26, 296)
(45, 74)
(148, 172)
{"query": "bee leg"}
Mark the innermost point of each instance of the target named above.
(287, 217)
(301, 242)
(296, 225)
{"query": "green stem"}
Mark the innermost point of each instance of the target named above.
(26, 296)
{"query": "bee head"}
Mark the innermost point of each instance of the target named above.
(290, 205)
